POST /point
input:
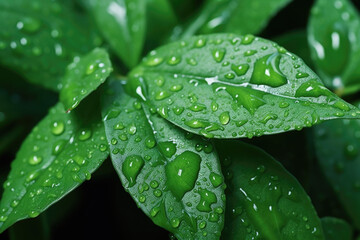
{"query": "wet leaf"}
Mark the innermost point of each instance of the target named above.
(83, 76)
(122, 22)
(39, 38)
(230, 86)
(337, 148)
(233, 16)
(173, 176)
(334, 36)
(335, 229)
(59, 154)
(264, 200)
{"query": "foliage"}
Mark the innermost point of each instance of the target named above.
(180, 98)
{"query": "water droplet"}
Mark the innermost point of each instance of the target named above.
(197, 107)
(58, 147)
(175, 222)
(57, 127)
(153, 61)
(84, 134)
(157, 193)
(3, 218)
(154, 184)
(200, 43)
(176, 88)
(229, 76)
(267, 71)
(34, 160)
(249, 53)
(248, 39)
(131, 168)
(224, 118)
(178, 110)
(162, 94)
(33, 214)
(167, 148)
(300, 75)
(202, 225)
(312, 88)
(174, 60)
(154, 211)
(150, 142)
(240, 69)
(132, 129)
(191, 61)
(218, 54)
(182, 172)
(103, 147)
(216, 179)
(207, 198)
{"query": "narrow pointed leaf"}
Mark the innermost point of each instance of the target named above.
(338, 151)
(264, 201)
(336, 229)
(39, 38)
(234, 16)
(334, 38)
(174, 177)
(229, 86)
(58, 155)
(83, 76)
(122, 22)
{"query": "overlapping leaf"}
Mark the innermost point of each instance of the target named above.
(337, 146)
(83, 76)
(58, 155)
(230, 86)
(174, 177)
(335, 229)
(334, 38)
(122, 22)
(264, 201)
(233, 16)
(39, 38)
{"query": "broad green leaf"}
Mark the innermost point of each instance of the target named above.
(334, 36)
(173, 176)
(296, 42)
(336, 229)
(338, 151)
(263, 200)
(39, 38)
(233, 16)
(230, 86)
(83, 76)
(160, 20)
(122, 22)
(58, 155)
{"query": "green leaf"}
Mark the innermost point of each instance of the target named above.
(335, 229)
(338, 152)
(334, 35)
(39, 38)
(173, 176)
(230, 86)
(58, 155)
(233, 16)
(296, 42)
(264, 201)
(122, 22)
(37, 228)
(160, 20)
(83, 76)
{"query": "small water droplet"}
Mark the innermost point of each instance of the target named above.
(57, 127)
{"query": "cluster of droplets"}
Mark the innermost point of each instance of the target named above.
(44, 168)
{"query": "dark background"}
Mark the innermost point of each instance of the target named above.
(100, 208)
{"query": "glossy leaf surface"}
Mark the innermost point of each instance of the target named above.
(264, 201)
(39, 38)
(336, 229)
(234, 16)
(229, 86)
(122, 22)
(334, 36)
(58, 155)
(174, 177)
(83, 76)
(337, 147)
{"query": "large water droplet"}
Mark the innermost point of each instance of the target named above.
(131, 168)
(267, 71)
(207, 198)
(57, 127)
(182, 172)
(167, 148)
